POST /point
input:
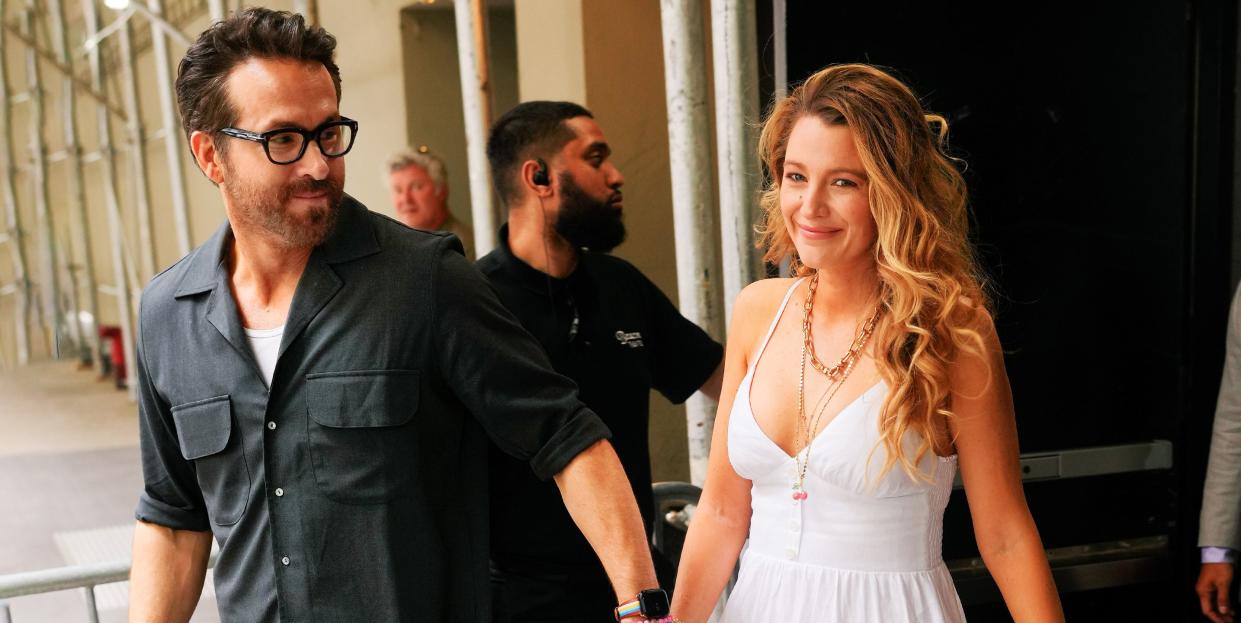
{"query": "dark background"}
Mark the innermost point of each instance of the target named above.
(1099, 139)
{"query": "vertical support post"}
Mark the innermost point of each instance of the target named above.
(780, 41)
(216, 9)
(779, 27)
(137, 154)
(77, 185)
(111, 201)
(692, 214)
(12, 217)
(46, 235)
(309, 9)
(172, 130)
(735, 50)
(476, 97)
(92, 609)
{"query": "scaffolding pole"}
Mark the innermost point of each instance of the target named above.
(172, 130)
(124, 291)
(309, 9)
(476, 99)
(735, 61)
(137, 153)
(216, 9)
(49, 289)
(77, 187)
(12, 217)
(694, 219)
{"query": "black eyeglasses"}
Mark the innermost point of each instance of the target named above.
(288, 145)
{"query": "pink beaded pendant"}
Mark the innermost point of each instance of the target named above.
(799, 495)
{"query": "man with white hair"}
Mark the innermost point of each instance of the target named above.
(419, 185)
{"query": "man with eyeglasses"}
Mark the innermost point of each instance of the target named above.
(317, 384)
(603, 324)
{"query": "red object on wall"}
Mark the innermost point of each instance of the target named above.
(112, 339)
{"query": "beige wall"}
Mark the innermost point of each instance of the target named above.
(551, 50)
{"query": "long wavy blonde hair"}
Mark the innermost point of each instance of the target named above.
(931, 289)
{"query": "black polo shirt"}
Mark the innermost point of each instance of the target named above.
(613, 332)
(355, 489)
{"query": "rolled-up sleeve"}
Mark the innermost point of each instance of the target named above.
(171, 496)
(501, 374)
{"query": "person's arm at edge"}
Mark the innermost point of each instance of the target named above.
(168, 571)
(1221, 491)
(597, 494)
(984, 430)
(722, 520)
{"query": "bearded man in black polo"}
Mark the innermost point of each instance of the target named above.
(603, 324)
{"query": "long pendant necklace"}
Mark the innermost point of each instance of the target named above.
(836, 376)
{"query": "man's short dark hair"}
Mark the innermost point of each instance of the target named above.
(202, 96)
(530, 130)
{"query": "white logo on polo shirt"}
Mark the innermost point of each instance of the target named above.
(632, 340)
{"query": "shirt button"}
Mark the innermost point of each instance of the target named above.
(279, 492)
(271, 426)
(285, 561)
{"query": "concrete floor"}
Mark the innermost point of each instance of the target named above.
(69, 478)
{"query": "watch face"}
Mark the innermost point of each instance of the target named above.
(654, 603)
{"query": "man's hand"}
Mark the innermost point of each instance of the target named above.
(1214, 591)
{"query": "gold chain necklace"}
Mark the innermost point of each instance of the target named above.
(833, 373)
(806, 427)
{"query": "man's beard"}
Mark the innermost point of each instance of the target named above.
(587, 222)
(268, 209)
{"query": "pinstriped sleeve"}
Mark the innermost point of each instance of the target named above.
(1220, 521)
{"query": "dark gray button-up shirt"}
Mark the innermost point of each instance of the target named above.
(397, 363)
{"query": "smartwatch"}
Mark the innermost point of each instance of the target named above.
(649, 604)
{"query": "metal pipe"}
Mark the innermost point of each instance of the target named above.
(779, 26)
(309, 9)
(111, 201)
(12, 217)
(172, 143)
(77, 185)
(735, 60)
(476, 99)
(161, 25)
(693, 218)
(50, 59)
(93, 41)
(137, 154)
(92, 610)
(215, 8)
(49, 289)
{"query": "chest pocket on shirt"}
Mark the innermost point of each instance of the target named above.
(207, 437)
(361, 439)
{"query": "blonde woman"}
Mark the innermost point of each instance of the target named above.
(854, 391)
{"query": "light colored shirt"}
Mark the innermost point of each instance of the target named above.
(265, 344)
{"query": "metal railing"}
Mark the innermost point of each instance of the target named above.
(84, 577)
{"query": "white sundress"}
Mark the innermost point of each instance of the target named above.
(854, 550)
